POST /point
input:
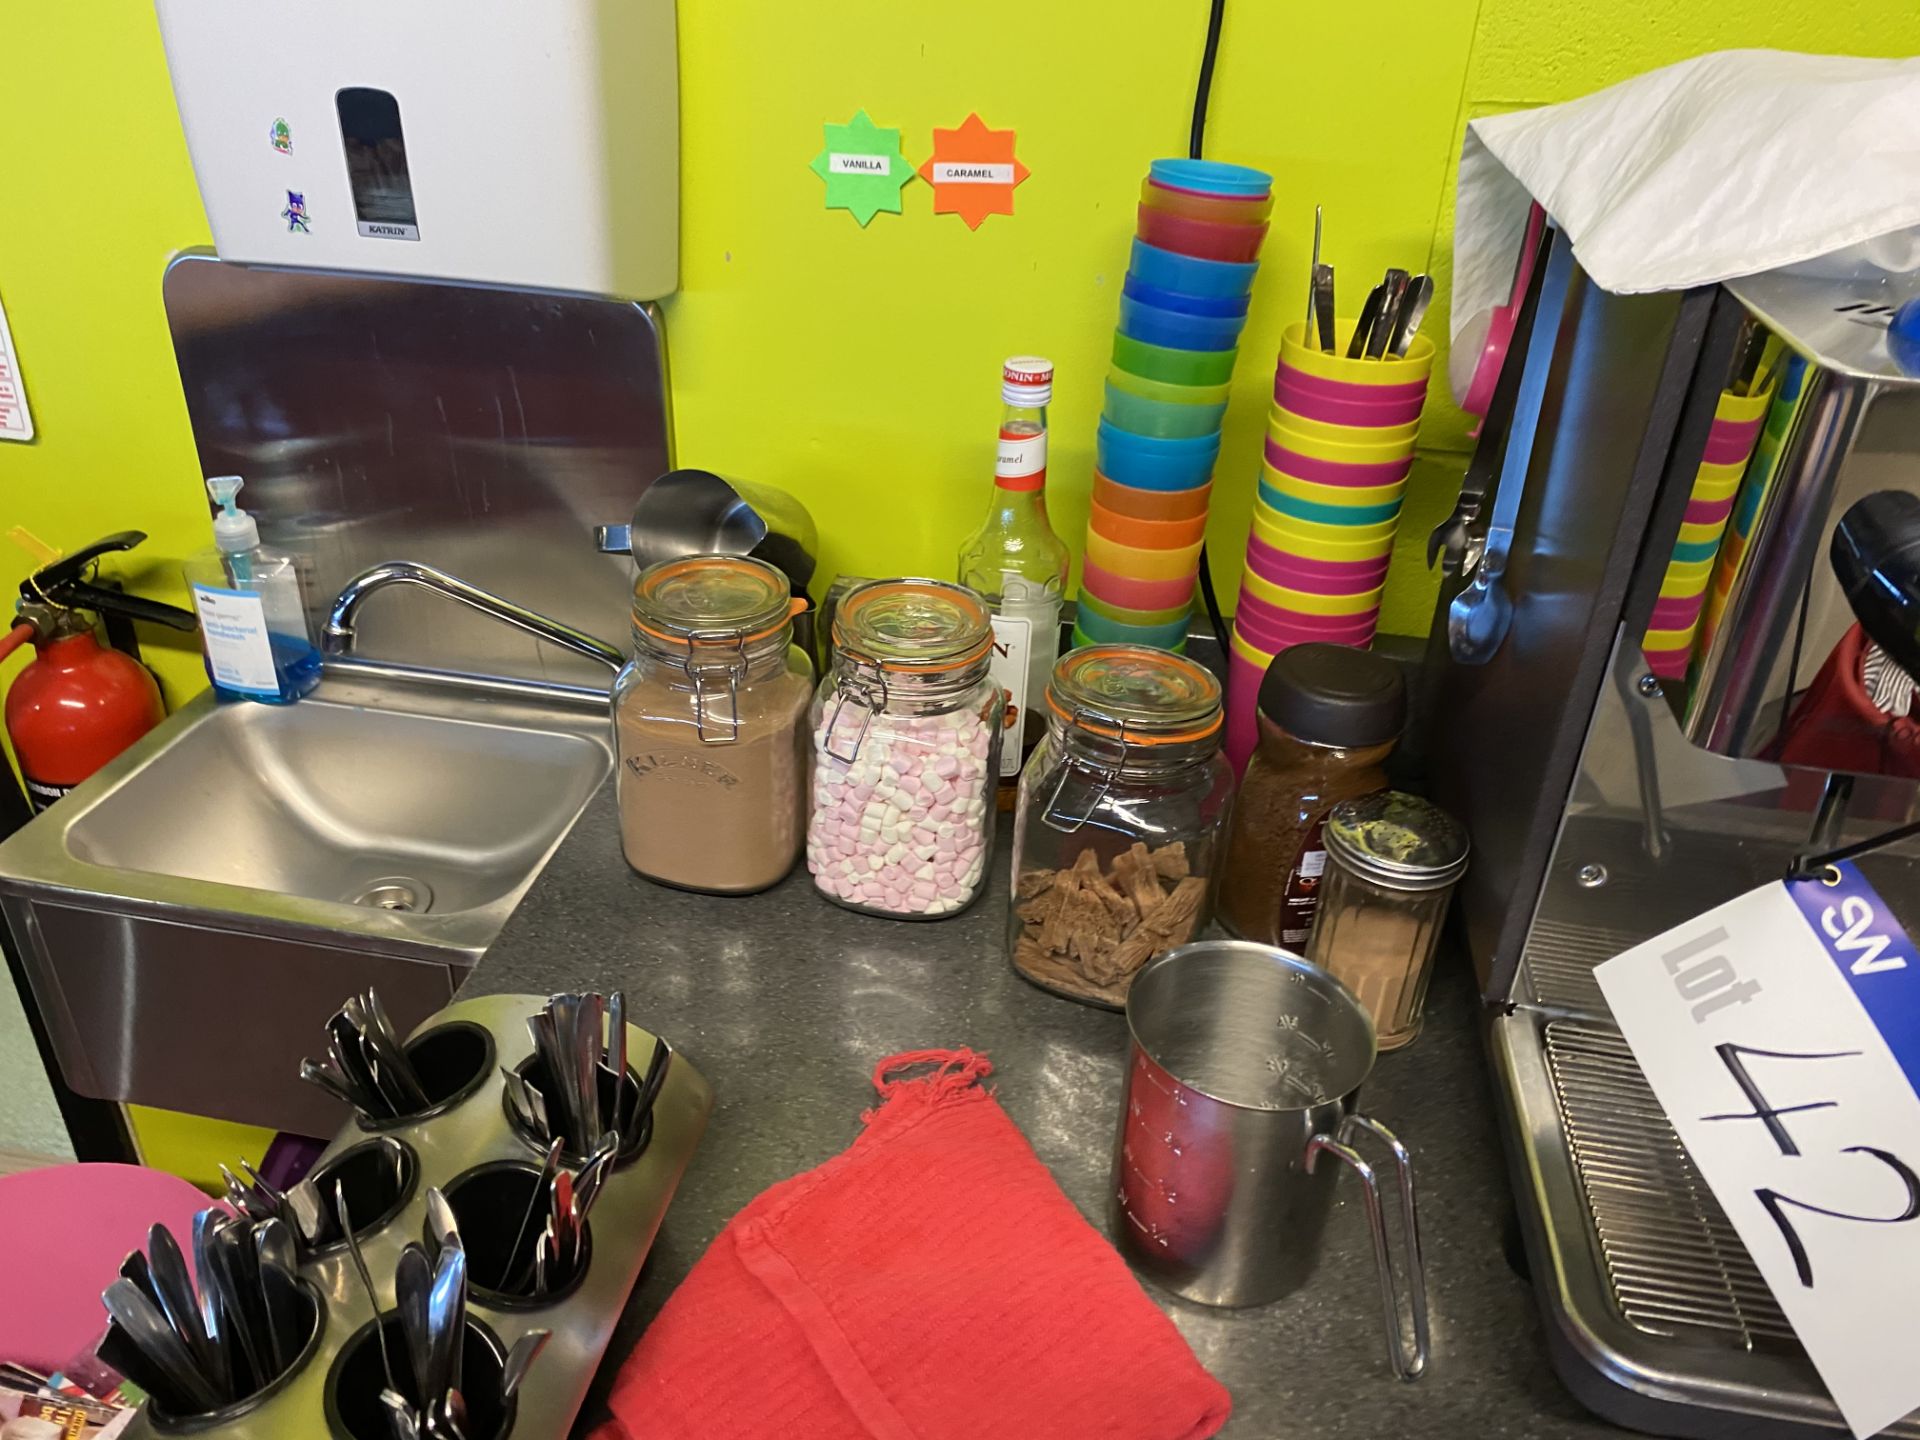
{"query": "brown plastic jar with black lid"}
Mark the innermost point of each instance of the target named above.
(1329, 716)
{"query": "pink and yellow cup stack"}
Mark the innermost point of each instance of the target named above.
(1668, 643)
(1182, 306)
(1339, 447)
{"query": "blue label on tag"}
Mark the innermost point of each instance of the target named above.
(1873, 953)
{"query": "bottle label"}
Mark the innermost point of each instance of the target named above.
(1012, 649)
(1022, 462)
(233, 631)
(1301, 899)
(40, 794)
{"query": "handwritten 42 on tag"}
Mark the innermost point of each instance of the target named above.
(1781, 1033)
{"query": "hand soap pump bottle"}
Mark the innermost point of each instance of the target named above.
(253, 622)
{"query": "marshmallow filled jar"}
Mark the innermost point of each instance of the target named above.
(907, 729)
(1121, 824)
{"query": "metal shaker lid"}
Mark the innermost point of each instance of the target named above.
(1397, 840)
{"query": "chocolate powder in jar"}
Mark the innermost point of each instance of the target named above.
(1328, 718)
(726, 818)
(1270, 884)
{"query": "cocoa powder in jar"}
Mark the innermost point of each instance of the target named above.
(729, 818)
(710, 726)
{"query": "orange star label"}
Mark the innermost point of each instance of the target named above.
(973, 172)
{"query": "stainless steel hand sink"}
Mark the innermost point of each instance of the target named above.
(333, 802)
(193, 913)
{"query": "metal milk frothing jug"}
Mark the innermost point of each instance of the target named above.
(1242, 1083)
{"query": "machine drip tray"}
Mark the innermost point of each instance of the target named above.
(1657, 1317)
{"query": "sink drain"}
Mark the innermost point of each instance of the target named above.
(394, 892)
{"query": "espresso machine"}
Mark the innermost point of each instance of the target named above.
(1673, 651)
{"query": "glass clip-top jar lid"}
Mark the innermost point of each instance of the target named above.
(1127, 707)
(925, 639)
(1397, 841)
(705, 614)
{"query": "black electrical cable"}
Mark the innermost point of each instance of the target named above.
(1203, 88)
(1799, 643)
(1196, 141)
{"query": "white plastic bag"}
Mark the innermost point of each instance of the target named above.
(1720, 166)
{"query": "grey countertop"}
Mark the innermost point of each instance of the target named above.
(785, 1002)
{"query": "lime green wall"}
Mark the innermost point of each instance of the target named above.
(857, 367)
(98, 193)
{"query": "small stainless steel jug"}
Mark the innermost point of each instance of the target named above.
(1244, 1072)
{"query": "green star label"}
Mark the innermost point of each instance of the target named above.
(863, 168)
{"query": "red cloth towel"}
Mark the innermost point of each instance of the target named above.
(929, 1282)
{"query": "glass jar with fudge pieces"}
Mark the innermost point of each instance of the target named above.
(1121, 821)
(907, 733)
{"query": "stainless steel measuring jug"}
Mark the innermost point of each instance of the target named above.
(1244, 1072)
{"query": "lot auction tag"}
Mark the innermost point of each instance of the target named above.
(1781, 1033)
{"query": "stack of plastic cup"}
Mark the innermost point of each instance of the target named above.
(1182, 306)
(1668, 643)
(1339, 447)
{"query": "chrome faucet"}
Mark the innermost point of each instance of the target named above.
(336, 638)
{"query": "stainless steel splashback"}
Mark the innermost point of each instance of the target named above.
(484, 431)
(1844, 423)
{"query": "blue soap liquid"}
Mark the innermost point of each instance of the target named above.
(296, 666)
(296, 662)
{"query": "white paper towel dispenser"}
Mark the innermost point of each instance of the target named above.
(507, 142)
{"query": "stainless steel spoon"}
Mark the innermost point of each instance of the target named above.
(447, 1317)
(366, 1279)
(314, 1073)
(547, 1171)
(219, 1321)
(273, 1245)
(520, 1359)
(148, 1329)
(440, 1222)
(304, 1209)
(413, 1294)
(404, 1419)
(617, 1056)
(173, 1282)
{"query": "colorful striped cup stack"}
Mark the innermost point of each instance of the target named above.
(1338, 449)
(1668, 644)
(1181, 308)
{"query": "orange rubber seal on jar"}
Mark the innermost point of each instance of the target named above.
(904, 665)
(1076, 718)
(794, 607)
(658, 575)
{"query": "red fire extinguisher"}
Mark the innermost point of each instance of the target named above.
(78, 703)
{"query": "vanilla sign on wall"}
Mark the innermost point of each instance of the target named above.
(863, 168)
(973, 170)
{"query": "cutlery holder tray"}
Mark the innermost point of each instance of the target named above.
(465, 1144)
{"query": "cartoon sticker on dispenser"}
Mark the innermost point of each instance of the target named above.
(296, 213)
(281, 135)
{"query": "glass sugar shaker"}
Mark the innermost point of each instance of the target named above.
(1392, 862)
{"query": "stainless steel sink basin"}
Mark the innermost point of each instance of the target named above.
(192, 914)
(333, 802)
